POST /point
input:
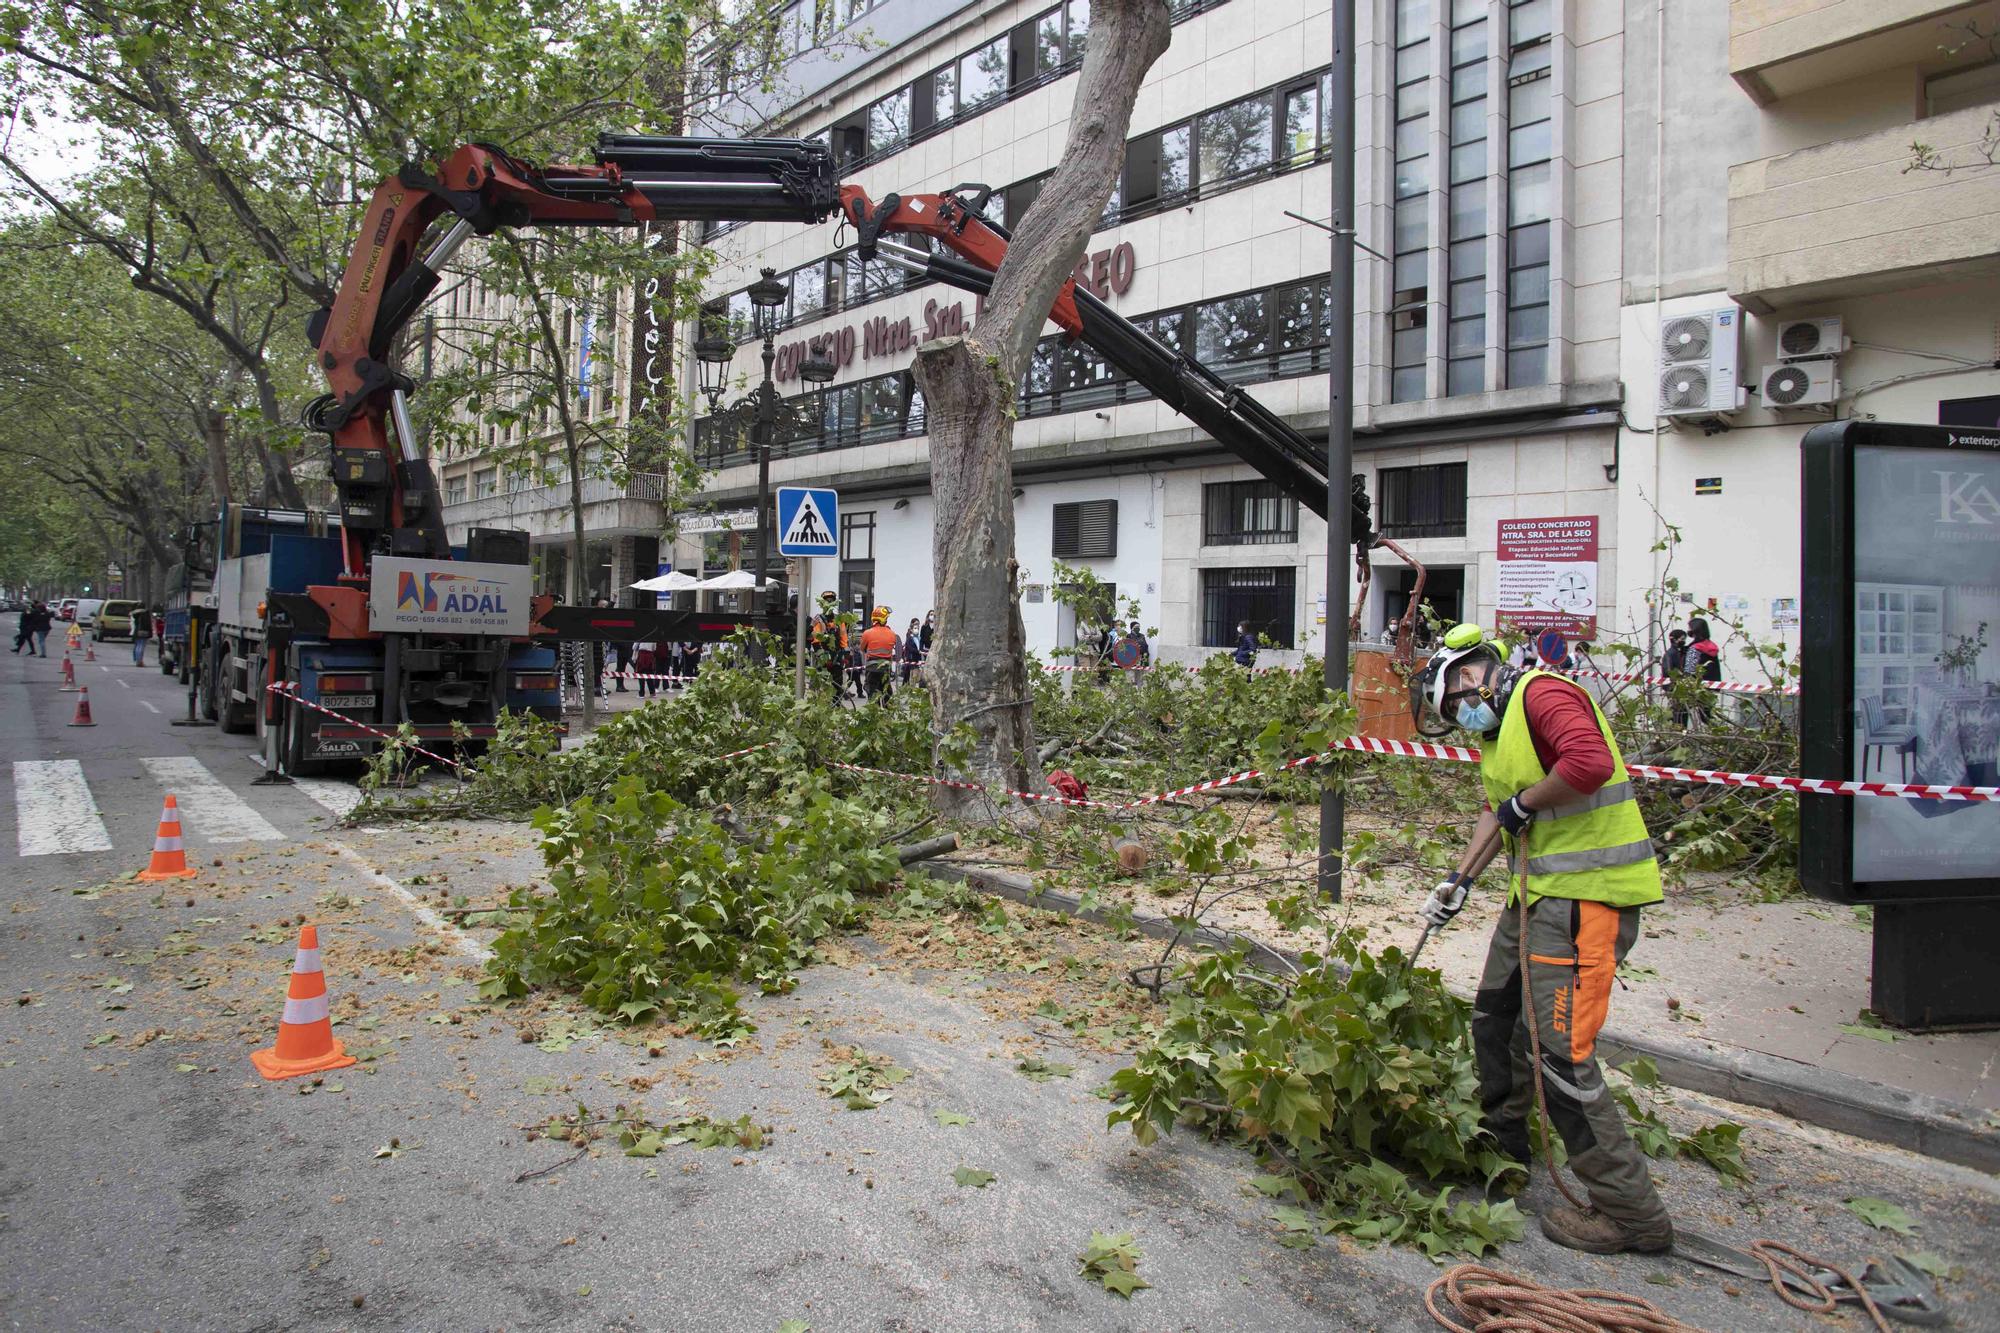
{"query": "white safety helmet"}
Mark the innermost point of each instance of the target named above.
(1432, 704)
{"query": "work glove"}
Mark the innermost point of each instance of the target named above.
(1445, 902)
(1514, 816)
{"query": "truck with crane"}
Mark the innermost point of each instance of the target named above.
(333, 637)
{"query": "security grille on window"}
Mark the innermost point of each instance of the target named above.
(1248, 513)
(1086, 530)
(1424, 501)
(1261, 598)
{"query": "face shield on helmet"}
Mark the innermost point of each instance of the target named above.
(1436, 709)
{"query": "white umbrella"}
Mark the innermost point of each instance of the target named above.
(672, 581)
(732, 581)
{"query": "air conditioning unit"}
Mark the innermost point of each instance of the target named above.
(1799, 384)
(1698, 360)
(1810, 339)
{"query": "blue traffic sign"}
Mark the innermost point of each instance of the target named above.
(808, 520)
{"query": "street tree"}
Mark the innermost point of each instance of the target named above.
(978, 670)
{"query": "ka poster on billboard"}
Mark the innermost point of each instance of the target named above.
(1926, 674)
(1548, 576)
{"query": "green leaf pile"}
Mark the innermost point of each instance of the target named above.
(1113, 1263)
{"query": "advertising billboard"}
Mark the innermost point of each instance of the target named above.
(448, 596)
(1548, 575)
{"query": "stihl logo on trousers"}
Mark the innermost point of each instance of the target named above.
(1561, 1016)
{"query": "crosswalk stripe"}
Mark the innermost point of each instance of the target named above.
(336, 797)
(54, 813)
(215, 813)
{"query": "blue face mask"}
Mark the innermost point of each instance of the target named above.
(1478, 716)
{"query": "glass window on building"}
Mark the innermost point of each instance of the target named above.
(1233, 329)
(1409, 316)
(1079, 28)
(454, 489)
(1020, 197)
(485, 482)
(944, 94)
(857, 535)
(1248, 513)
(1465, 330)
(1050, 48)
(809, 290)
(982, 75)
(1426, 501)
(1301, 312)
(1263, 599)
(889, 123)
(1301, 140)
(1530, 113)
(1235, 140)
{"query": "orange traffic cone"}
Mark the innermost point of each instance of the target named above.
(82, 718)
(69, 675)
(89, 650)
(306, 1043)
(169, 861)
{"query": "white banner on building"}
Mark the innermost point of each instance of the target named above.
(448, 596)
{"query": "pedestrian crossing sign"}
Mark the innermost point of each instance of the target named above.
(808, 518)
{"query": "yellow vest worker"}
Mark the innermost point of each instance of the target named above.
(1581, 866)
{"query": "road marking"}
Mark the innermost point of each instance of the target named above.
(336, 797)
(147, 704)
(215, 813)
(124, 684)
(102, 667)
(54, 811)
(460, 941)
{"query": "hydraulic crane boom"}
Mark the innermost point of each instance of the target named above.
(392, 505)
(1236, 420)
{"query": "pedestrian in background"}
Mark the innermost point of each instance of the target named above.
(1703, 662)
(22, 634)
(1246, 645)
(1138, 636)
(1671, 666)
(40, 621)
(646, 661)
(913, 650)
(930, 631)
(142, 629)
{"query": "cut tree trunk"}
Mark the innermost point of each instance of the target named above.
(978, 672)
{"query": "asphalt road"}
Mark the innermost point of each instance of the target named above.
(148, 1179)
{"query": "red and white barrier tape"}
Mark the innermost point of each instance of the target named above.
(1467, 755)
(290, 691)
(1725, 686)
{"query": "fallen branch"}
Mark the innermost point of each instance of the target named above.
(924, 851)
(549, 1170)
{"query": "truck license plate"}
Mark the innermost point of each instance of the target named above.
(347, 700)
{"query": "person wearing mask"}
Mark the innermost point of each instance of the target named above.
(1138, 637)
(1246, 645)
(879, 646)
(913, 650)
(930, 631)
(142, 629)
(1580, 870)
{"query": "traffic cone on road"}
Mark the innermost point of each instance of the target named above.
(82, 718)
(169, 861)
(89, 650)
(69, 675)
(305, 1043)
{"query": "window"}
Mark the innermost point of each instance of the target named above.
(889, 123)
(1235, 140)
(1530, 112)
(485, 482)
(1263, 599)
(1409, 312)
(454, 489)
(1944, 93)
(857, 536)
(982, 76)
(1248, 513)
(809, 291)
(1427, 501)
(1898, 633)
(1300, 140)
(1086, 530)
(1465, 262)
(1236, 328)
(944, 94)
(1019, 196)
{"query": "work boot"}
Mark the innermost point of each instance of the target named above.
(1592, 1232)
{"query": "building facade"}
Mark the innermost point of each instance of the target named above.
(1601, 235)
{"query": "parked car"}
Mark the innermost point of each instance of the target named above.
(86, 611)
(114, 620)
(66, 609)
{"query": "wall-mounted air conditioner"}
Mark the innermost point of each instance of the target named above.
(1698, 360)
(1799, 384)
(1811, 339)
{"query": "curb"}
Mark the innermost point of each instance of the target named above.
(1931, 1126)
